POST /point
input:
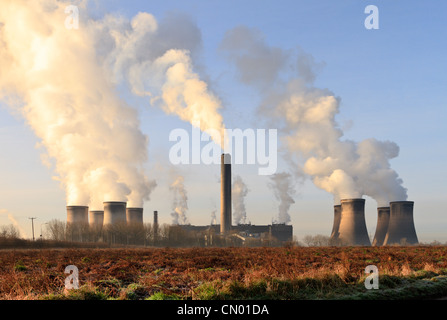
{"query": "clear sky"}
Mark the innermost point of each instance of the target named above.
(392, 83)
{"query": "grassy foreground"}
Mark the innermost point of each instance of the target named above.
(225, 273)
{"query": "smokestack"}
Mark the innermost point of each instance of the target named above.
(134, 215)
(155, 218)
(225, 193)
(352, 229)
(96, 218)
(383, 218)
(401, 225)
(77, 214)
(114, 212)
(335, 228)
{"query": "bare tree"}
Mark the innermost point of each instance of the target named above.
(10, 232)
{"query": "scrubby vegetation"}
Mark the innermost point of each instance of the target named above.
(225, 273)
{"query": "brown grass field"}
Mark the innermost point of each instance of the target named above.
(418, 272)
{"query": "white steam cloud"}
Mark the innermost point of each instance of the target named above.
(67, 99)
(64, 82)
(155, 60)
(306, 114)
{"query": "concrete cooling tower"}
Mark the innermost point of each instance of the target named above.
(336, 225)
(352, 229)
(77, 214)
(225, 193)
(383, 218)
(114, 212)
(96, 218)
(134, 215)
(401, 228)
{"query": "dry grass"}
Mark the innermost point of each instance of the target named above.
(207, 272)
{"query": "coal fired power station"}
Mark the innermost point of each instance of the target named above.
(395, 224)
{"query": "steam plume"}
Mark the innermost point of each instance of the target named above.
(282, 186)
(64, 84)
(306, 115)
(239, 192)
(180, 201)
(155, 60)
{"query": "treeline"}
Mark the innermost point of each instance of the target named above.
(60, 234)
(117, 234)
(123, 234)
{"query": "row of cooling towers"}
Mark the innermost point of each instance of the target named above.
(114, 212)
(395, 224)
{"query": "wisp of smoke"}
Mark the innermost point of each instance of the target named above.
(282, 185)
(14, 222)
(179, 201)
(305, 115)
(238, 193)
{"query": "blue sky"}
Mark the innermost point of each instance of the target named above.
(392, 83)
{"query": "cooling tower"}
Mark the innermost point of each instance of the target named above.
(114, 212)
(383, 218)
(77, 214)
(401, 225)
(96, 218)
(336, 225)
(225, 193)
(352, 229)
(134, 215)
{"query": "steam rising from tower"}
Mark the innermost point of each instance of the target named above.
(306, 117)
(282, 186)
(238, 194)
(179, 202)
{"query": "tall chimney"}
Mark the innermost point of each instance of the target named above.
(114, 212)
(77, 214)
(352, 229)
(155, 218)
(383, 218)
(401, 226)
(96, 218)
(335, 227)
(225, 193)
(134, 215)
